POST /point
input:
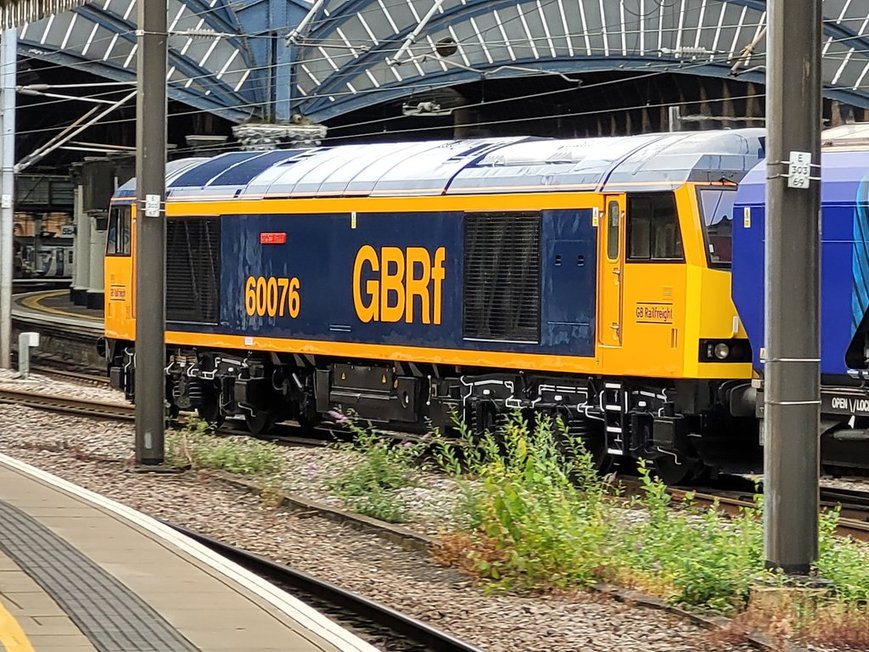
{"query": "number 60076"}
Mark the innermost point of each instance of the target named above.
(273, 297)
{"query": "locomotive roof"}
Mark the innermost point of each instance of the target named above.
(474, 166)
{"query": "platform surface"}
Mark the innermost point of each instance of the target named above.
(56, 304)
(80, 572)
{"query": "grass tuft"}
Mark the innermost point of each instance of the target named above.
(196, 446)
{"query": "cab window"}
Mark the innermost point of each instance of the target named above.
(716, 216)
(653, 229)
(118, 238)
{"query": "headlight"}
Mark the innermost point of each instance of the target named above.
(726, 351)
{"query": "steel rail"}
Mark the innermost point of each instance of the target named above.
(67, 329)
(66, 405)
(123, 412)
(69, 374)
(404, 626)
(732, 502)
(853, 523)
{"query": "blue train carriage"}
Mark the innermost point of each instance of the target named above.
(844, 289)
(410, 283)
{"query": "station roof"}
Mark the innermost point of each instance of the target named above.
(349, 56)
(648, 162)
(231, 57)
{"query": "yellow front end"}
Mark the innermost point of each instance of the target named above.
(663, 306)
(120, 323)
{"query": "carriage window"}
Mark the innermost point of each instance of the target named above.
(653, 228)
(118, 239)
(612, 230)
(716, 214)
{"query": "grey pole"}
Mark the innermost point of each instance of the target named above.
(8, 53)
(792, 376)
(150, 231)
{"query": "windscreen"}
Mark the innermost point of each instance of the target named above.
(716, 214)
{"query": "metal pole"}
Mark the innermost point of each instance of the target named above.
(8, 53)
(150, 231)
(792, 377)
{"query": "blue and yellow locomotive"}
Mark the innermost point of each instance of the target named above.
(415, 282)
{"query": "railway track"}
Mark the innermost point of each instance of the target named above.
(66, 405)
(64, 328)
(853, 522)
(386, 628)
(285, 433)
(854, 504)
(74, 373)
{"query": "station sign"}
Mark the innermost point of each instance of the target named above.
(14, 13)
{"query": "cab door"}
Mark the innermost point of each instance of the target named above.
(611, 255)
(118, 268)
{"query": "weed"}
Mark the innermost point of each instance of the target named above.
(842, 561)
(535, 516)
(372, 486)
(196, 446)
(692, 557)
(531, 526)
(271, 495)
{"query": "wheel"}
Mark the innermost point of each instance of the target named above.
(210, 411)
(307, 416)
(591, 434)
(171, 414)
(259, 423)
(674, 471)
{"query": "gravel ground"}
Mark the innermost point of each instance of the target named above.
(71, 447)
(39, 384)
(308, 470)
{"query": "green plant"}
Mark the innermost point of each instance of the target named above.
(531, 526)
(196, 445)
(842, 561)
(692, 557)
(385, 467)
(535, 515)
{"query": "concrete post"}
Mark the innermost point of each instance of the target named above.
(96, 259)
(81, 251)
(26, 341)
(792, 373)
(150, 232)
(8, 75)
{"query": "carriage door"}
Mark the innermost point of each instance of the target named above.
(611, 256)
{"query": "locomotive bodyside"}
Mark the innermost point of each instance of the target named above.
(417, 282)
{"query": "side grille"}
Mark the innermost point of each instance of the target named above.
(193, 269)
(502, 276)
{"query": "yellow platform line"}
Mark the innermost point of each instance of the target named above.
(35, 303)
(12, 637)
